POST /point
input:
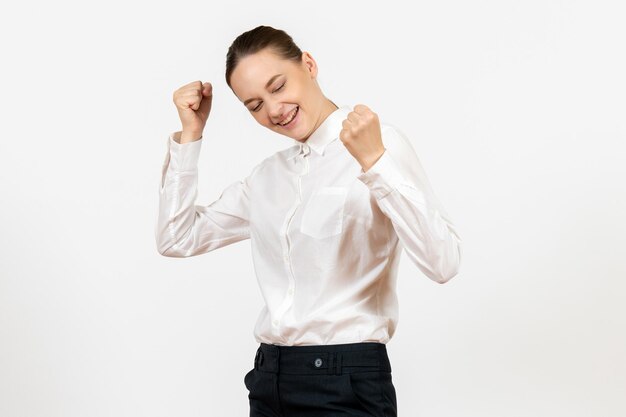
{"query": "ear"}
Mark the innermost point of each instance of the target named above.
(309, 64)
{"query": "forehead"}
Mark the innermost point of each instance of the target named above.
(253, 71)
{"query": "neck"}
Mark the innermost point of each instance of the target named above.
(328, 108)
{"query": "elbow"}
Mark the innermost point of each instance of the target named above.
(440, 266)
(166, 251)
(443, 278)
(442, 273)
(165, 247)
(451, 268)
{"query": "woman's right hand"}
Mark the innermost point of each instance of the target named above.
(193, 102)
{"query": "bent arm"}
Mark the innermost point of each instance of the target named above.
(404, 194)
(185, 229)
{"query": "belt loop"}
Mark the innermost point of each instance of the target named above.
(331, 361)
(338, 363)
(277, 360)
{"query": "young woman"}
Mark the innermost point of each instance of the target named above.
(327, 219)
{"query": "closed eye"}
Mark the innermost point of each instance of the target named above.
(257, 108)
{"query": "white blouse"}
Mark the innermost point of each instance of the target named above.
(326, 237)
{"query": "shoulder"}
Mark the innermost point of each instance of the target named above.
(393, 136)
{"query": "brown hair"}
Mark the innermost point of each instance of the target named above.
(257, 39)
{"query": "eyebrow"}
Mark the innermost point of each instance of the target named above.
(271, 80)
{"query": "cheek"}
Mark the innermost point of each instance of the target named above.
(306, 87)
(256, 117)
(300, 90)
(262, 118)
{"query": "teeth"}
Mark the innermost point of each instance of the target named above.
(293, 114)
(290, 118)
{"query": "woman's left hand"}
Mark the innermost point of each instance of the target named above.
(362, 137)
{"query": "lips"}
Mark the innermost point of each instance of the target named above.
(290, 117)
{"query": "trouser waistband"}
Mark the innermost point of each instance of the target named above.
(316, 359)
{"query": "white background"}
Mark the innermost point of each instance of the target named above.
(516, 110)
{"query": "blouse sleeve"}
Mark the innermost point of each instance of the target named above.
(404, 194)
(184, 228)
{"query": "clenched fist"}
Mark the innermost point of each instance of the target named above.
(362, 137)
(193, 102)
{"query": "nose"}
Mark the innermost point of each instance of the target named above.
(276, 111)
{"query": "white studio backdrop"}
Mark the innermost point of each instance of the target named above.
(516, 110)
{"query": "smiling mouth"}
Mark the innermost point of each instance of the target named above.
(290, 119)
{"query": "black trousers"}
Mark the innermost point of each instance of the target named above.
(352, 379)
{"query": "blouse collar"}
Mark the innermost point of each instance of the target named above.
(325, 133)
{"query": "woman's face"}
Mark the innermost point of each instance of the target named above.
(272, 89)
